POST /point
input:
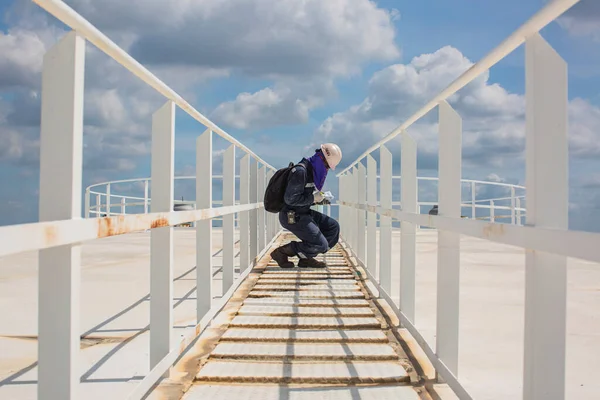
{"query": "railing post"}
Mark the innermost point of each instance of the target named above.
(372, 217)
(362, 215)
(87, 203)
(122, 205)
(146, 196)
(518, 202)
(449, 198)
(385, 235)
(204, 260)
(98, 205)
(228, 223)
(270, 217)
(108, 204)
(253, 213)
(512, 205)
(547, 207)
(473, 198)
(61, 144)
(408, 245)
(261, 211)
(244, 217)
(492, 212)
(354, 216)
(161, 239)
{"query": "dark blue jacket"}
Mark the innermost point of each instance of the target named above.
(300, 187)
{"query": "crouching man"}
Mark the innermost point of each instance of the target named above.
(318, 232)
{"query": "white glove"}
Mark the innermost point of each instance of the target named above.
(318, 197)
(328, 196)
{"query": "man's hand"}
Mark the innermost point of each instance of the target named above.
(318, 197)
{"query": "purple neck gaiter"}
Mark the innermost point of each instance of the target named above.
(319, 170)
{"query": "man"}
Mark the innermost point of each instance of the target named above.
(318, 232)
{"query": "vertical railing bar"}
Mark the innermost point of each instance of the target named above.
(260, 185)
(146, 196)
(385, 239)
(547, 182)
(408, 243)
(372, 217)
(449, 199)
(108, 201)
(362, 215)
(244, 216)
(253, 213)
(61, 148)
(204, 189)
(228, 223)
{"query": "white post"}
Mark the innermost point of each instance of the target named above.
(448, 280)
(547, 207)
(253, 213)
(261, 211)
(408, 245)
(204, 261)
(61, 146)
(385, 235)
(228, 223)
(512, 205)
(270, 217)
(354, 216)
(372, 217)
(473, 198)
(362, 215)
(161, 240)
(519, 221)
(98, 205)
(87, 203)
(146, 196)
(122, 205)
(244, 217)
(108, 204)
(492, 212)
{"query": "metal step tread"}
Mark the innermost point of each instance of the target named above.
(304, 372)
(305, 322)
(276, 392)
(308, 294)
(295, 311)
(305, 335)
(306, 302)
(305, 351)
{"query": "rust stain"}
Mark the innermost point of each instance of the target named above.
(50, 235)
(161, 222)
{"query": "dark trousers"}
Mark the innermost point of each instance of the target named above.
(318, 233)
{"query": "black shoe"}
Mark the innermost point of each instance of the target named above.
(311, 263)
(281, 254)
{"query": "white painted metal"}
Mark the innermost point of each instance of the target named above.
(87, 204)
(161, 243)
(204, 262)
(548, 207)
(146, 196)
(253, 213)
(512, 206)
(260, 184)
(372, 217)
(492, 212)
(228, 220)
(244, 217)
(69, 17)
(122, 206)
(362, 215)
(108, 203)
(408, 240)
(448, 272)
(473, 197)
(551, 11)
(385, 241)
(61, 144)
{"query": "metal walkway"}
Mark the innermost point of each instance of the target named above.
(300, 333)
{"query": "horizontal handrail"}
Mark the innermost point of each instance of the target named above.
(547, 14)
(69, 17)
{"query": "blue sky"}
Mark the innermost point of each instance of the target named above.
(281, 76)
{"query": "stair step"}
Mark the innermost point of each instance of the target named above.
(304, 335)
(298, 372)
(276, 392)
(305, 322)
(304, 311)
(338, 303)
(305, 351)
(327, 294)
(306, 281)
(297, 287)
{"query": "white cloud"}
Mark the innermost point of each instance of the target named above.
(583, 19)
(493, 118)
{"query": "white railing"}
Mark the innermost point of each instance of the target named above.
(545, 235)
(61, 230)
(107, 199)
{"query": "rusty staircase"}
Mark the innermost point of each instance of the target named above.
(305, 333)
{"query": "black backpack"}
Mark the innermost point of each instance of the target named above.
(275, 191)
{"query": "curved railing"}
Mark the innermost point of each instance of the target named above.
(101, 199)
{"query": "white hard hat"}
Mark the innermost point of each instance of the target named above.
(332, 154)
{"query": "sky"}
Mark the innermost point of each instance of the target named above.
(283, 76)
